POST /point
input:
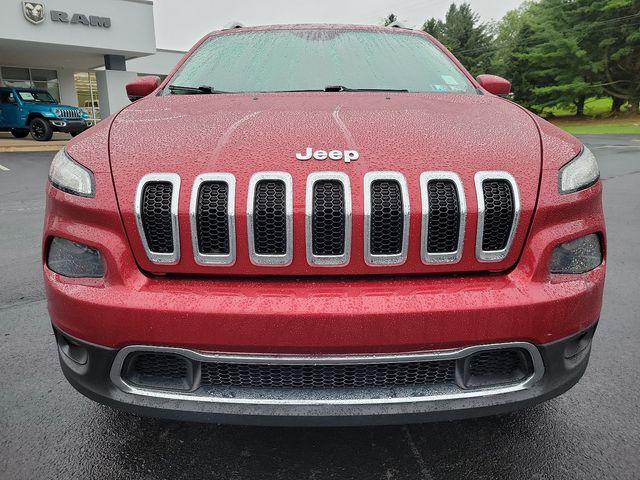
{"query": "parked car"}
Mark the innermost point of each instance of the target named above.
(323, 225)
(30, 110)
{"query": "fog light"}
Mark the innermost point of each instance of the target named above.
(72, 259)
(577, 256)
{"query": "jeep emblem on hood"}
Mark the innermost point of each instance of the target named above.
(347, 155)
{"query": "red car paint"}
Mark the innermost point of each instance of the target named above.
(310, 309)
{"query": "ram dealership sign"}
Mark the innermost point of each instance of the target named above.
(35, 13)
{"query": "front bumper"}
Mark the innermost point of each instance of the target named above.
(95, 372)
(71, 126)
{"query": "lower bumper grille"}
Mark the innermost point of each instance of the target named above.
(328, 376)
(175, 371)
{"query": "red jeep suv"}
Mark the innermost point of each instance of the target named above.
(323, 225)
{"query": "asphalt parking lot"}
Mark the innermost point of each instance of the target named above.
(47, 430)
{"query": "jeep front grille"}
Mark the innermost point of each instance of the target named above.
(156, 211)
(69, 113)
(386, 216)
(328, 218)
(212, 218)
(444, 212)
(212, 214)
(270, 218)
(498, 212)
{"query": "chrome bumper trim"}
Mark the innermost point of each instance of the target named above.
(445, 395)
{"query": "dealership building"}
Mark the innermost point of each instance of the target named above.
(83, 53)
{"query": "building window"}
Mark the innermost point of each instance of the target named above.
(87, 90)
(31, 78)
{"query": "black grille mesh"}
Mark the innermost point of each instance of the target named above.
(328, 376)
(496, 362)
(175, 371)
(498, 214)
(444, 217)
(156, 216)
(270, 218)
(328, 218)
(160, 365)
(212, 218)
(387, 219)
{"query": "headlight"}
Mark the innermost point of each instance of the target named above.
(72, 259)
(577, 256)
(58, 112)
(579, 173)
(71, 177)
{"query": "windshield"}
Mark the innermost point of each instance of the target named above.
(36, 97)
(286, 60)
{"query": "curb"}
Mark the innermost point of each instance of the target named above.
(44, 148)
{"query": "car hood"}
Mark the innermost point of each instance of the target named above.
(243, 134)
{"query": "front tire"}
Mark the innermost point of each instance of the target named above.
(41, 130)
(19, 132)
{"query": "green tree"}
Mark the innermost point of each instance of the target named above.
(611, 34)
(467, 38)
(434, 27)
(509, 39)
(389, 19)
(516, 67)
(560, 52)
(547, 58)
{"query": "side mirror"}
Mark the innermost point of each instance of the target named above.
(142, 86)
(494, 84)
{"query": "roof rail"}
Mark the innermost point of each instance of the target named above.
(232, 25)
(398, 24)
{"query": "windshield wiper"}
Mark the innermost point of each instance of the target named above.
(193, 90)
(342, 88)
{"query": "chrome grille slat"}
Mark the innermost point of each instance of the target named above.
(212, 217)
(453, 229)
(336, 225)
(388, 245)
(328, 233)
(270, 218)
(68, 113)
(498, 204)
(162, 221)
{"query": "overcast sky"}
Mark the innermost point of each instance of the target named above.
(180, 23)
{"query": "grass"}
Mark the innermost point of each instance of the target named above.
(599, 126)
(597, 119)
(592, 108)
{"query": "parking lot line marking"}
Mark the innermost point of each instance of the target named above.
(2, 167)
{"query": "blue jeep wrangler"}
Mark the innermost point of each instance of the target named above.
(30, 110)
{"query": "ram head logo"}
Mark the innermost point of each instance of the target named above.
(34, 12)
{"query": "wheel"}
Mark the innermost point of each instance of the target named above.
(41, 130)
(19, 132)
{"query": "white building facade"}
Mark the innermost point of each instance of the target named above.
(84, 53)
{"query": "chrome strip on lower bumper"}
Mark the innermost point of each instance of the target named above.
(537, 363)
